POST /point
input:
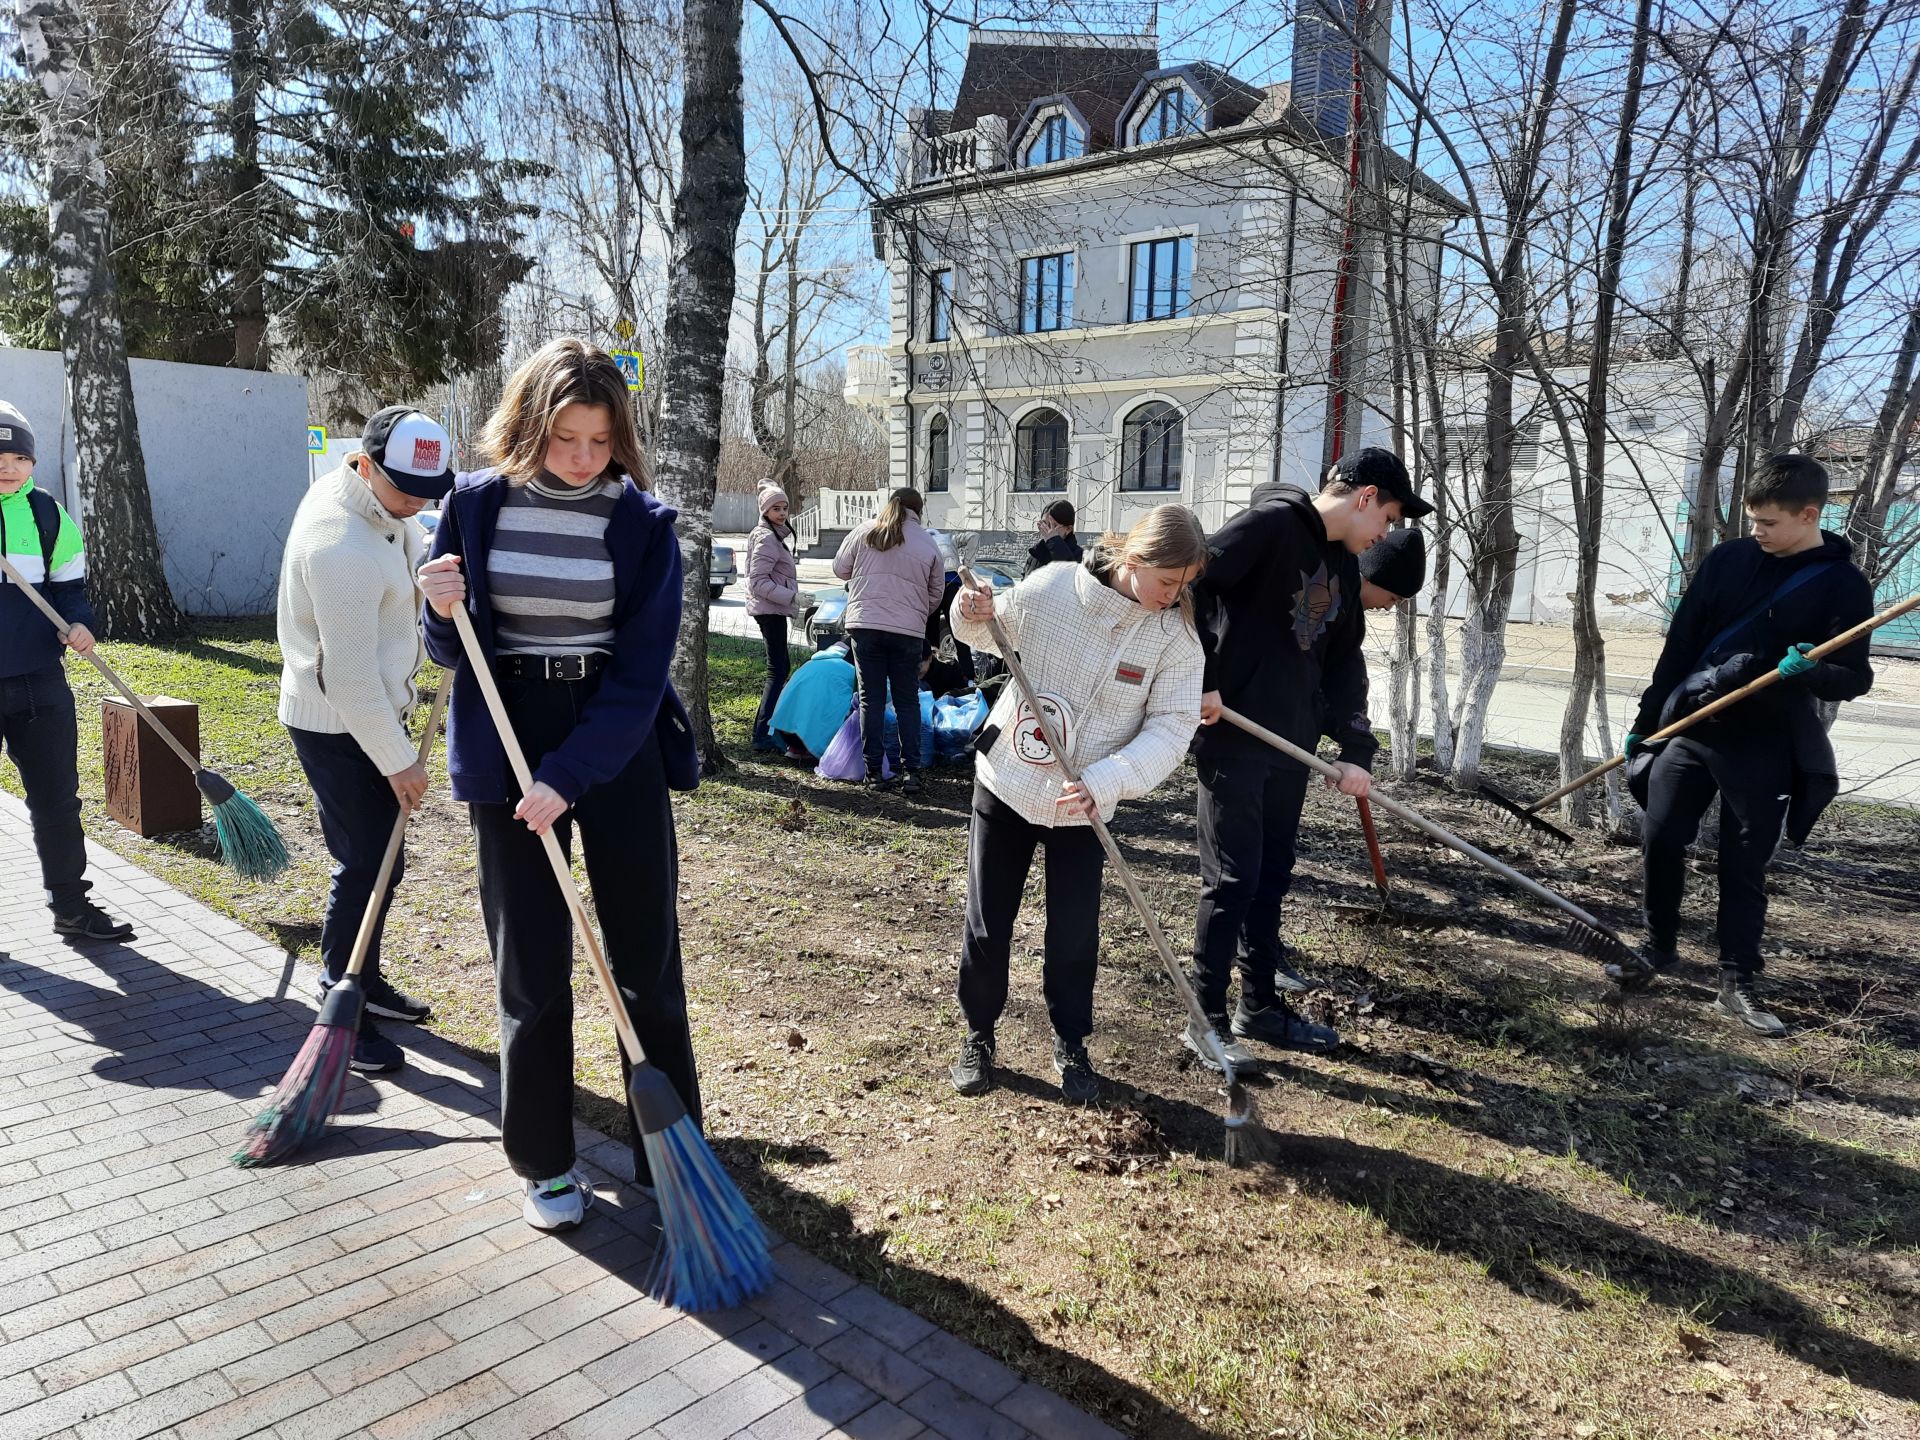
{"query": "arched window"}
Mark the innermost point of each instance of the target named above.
(1151, 442)
(1172, 113)
(1054, 137)
(1040, 451)
(937, 455)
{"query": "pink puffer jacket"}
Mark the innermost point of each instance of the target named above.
(894, 590)
(773, 575)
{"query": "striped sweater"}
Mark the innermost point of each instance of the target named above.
(549, 572)
(1129, 676)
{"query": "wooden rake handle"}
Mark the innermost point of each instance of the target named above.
(1374, 856)
(363, 939)
(1818, 652)
(1120, 867)
(1420, 822)
(62, 627)
(562, 872)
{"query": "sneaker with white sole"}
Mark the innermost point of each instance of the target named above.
(385, 999)
(557, 1204)
(87, 921)
(1196, 1040)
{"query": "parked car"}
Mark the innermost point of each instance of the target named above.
(721, 571)
(826, 619)
(429, 520)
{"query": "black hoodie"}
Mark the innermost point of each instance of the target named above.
(1736, 577)
(1281, 625)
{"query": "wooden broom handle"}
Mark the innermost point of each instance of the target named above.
(1818, 652)
(483, 676)
(59, 624)
(363, 940)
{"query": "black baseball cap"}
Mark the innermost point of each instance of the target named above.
(1396, 562)
(413, 451)
(1372, 465)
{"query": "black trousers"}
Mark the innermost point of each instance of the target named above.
(626, 827)
(1249, 824)
(887, 662)
(357, 810)
(42, 735)
(1000, 847)
(773, 630)
(1752, 776)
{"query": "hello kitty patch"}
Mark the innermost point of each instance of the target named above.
(1030, 741)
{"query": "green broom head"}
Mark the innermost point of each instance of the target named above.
(309, 1095)
(248, 841)
(714, 1253)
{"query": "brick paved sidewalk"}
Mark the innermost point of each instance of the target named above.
(387, 1285)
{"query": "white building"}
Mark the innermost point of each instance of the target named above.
(1113, 281)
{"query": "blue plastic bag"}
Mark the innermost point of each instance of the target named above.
(955, 722)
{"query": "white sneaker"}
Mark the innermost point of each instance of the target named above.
(557, 1204)
(1196, 1041)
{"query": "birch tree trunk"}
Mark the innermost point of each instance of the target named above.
(700, 284)
(126, 579)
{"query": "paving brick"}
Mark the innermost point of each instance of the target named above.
(90, 1362)
(640, 1360)
(384, 1356)
(198, 1358)
(261, 1305)
(806, 1319)
(490, 1309)
(38, 1261)
(727, 1411)
(533, 1369)
(1046, 1414)
(124, 1260)
(956, 1416)
(157, 1411)
(957, 1362)
(444, 1411)
(351, 1413)
(41, 1349)
(76, 1305)
(252, 1413)
(883, 1422)
(296, 1357)
(810, 1415)
(412, 1306)
(879, 1367)
(70, 1407)
(580, 1305)
(881, 1318)
(809, 1275)
(632, 1411)
(344, 1302)
(470, 1357)
(545, 1409)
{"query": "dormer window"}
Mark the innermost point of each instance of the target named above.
(1053, 136)
(1174, 111)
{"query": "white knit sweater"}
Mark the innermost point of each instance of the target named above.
(1129, 676)
(350, 620)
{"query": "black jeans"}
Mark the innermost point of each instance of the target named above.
(42, 735)
(357, 810)
(626, 827)
(1249, 822)
(1000, 848)
(1752, 776)
(773, 630)
(888, 662)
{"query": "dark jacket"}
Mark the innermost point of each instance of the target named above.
(28, 641)
(1281, 625)
(633, 694)
(1736, 577)
(1062, 548)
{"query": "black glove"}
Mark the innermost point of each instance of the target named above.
(1733, 672)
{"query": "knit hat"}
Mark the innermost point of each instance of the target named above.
(16, 435)
(412, 450)
(771, 494)
(1386, 472)
(1396, 562)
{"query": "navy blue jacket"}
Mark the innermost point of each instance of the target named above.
(633, 694)
(28, 641)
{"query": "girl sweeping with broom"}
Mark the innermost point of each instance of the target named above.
(1111, 649)
(569, 575)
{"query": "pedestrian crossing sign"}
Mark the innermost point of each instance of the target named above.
(316, 439)
(631, 367)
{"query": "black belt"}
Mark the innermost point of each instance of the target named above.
(549, 667)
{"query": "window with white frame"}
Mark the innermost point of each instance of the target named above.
(1151, 441)
(1174, 111)
(940, 304)
(1046, 293)
(1053, 136)
(1040, 451)
(1162, 274)
(938, 455)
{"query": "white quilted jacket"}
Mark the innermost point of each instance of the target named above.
(1130, 678)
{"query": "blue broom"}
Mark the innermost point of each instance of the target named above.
(309, 1094)
(714, 1251)
(248, 841)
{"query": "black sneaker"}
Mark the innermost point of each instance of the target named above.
(883, 785)
(1286, 975)
(909, 784)
(88, 921)
(1079, 1085)
(1277, 1025)
(374, 1053)
(1740, 1000)
(385, 999)
(973, 1072)
(1655, 961)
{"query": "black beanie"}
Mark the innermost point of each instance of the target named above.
(1397, 562)
(16, 435)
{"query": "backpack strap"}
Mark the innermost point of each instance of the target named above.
(46, 519)
(1780, 592)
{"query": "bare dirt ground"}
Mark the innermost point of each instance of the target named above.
(1510, 1205)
